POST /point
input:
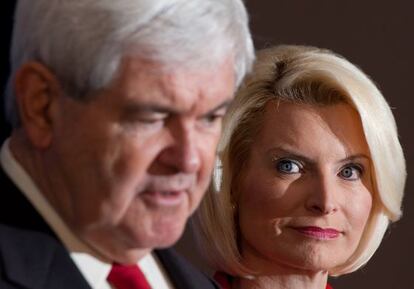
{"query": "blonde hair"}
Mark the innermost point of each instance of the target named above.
(313, 76)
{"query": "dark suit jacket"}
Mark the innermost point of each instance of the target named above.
(32, 257)
(6, 22)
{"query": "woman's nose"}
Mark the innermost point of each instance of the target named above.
(322, 197)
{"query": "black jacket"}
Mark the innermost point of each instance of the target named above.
(32, 257)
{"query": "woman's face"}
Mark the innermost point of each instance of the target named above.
(306, 193)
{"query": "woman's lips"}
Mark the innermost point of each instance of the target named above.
(318, 233)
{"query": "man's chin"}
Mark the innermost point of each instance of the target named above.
(169, 240)
(157, 239)
(167, 244)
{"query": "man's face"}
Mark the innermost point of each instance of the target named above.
(131, 165)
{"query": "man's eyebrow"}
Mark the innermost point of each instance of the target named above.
(135, 108)
(223, 105)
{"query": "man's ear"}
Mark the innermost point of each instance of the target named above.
(37, 90)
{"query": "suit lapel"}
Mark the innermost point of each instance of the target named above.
(37, 261)
(17, 211)
(182, 274)
(30, 254)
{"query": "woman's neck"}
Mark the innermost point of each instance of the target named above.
(283, 281)
(270, 274)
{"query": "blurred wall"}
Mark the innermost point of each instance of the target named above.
(376, 35)
(6, 16)
(379, 37)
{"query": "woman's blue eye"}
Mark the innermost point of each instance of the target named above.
(288, 167)
(351, 172)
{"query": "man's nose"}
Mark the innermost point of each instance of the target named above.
(322, 198)
(182, 153)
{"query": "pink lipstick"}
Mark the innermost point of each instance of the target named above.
(318, 233)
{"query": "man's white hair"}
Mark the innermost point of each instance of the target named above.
(83, 41)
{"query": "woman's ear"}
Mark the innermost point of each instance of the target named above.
(37, 90)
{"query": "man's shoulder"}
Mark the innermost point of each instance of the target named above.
(20, 247)
(20, 238)
(16, 211)
(35, 259)
(183, 274)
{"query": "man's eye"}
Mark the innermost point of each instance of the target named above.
(212, 119)
(151, 118)
(287, 166)
(351, 172)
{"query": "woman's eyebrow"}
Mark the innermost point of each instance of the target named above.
(288, 152)
(356, 157)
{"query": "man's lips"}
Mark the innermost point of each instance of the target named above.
(318, 233)
(164, 198)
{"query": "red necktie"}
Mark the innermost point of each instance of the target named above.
(127, 277)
